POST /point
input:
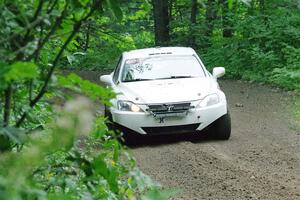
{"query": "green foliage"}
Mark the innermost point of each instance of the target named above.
(52, 148)
(158, 195)
(34, 36)
(4, 68)
(9, 136)
(265, 45)
(65, 153)
(69, 164)
(21, 71)
(289, 78)
(298, 110)
(109, 40)
(94, 91)
(113, 4)
(109, 48)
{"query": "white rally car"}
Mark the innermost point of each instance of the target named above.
(167, 90)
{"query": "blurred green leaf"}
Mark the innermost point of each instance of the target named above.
(21, 71)
(11, 135)
(159, 194)
(230, 4)
(94, 91)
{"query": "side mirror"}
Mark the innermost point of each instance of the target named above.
(107, 79)
(218, 72)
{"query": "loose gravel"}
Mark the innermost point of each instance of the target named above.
(261, 160)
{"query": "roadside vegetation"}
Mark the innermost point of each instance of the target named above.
(53, 145)
(254, 40)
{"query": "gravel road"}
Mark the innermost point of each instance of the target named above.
(260, 161)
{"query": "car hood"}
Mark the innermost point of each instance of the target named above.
(166, 91)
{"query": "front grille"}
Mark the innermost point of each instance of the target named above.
(165, 109)
(171, 129)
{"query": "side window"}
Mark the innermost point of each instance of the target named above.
(117, 71)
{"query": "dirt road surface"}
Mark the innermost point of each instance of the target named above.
(260, 161)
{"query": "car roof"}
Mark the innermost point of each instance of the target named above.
(148, 52)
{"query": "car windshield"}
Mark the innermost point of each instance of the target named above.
(162, 67)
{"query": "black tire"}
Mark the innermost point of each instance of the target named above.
(109, 123)
(126, 136)
(222, 127)
(130, 137)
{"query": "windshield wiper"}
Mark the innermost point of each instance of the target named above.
(137, 79)
(174, 77)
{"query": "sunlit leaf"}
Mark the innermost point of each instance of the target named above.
(230, 4)
(21, 70)
(247, 2)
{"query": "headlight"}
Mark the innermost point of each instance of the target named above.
(128, 106)
(209, 100)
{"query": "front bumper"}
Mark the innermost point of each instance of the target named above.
(196, 119)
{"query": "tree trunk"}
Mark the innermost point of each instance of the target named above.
(7, 105)
(210, 16)
(227, 26)
(192, 39)
(170, 10)
(161, 22)
(262, 6)
(87, 36)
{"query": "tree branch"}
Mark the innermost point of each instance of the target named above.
(43, 90)
(53, 29)
(7, 105)
(35, 17)
(38, 10)
(48, 77)
(28, 27)
(30, 84)
(47, 80)
(52, 7)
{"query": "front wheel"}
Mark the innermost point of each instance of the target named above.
(130, 137)
(126, 136)
(109, 121)
(222, 127)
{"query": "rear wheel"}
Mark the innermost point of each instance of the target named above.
(222, 127)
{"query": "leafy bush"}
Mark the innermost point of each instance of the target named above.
(289, 78)
(76, 157)
(65, 162)
(34, 37)
(106, 40)
(52, 148)
(265, 46)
